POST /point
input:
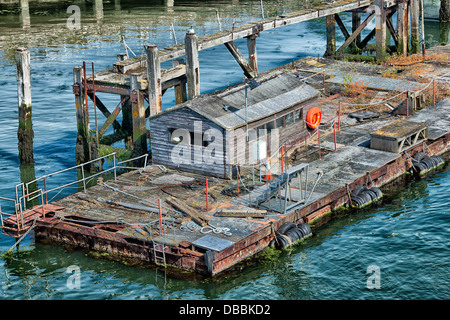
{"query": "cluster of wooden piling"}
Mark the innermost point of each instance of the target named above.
(406, 37)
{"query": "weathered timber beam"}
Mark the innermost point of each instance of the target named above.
(112, 117)
(112, 138)
(193, 213)
(370, 36)
(124, 91)
(355, 34)
(341, 26)
(168, 78)
(246, 30)
(392, 31)
(366, 40)
(248, 71)
(116, 125)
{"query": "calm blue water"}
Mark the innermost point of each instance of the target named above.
(407, 238)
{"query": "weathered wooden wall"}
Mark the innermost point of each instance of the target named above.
(162, 148)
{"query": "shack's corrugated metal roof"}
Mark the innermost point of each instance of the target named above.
(277, 91)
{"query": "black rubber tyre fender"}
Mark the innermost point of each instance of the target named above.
(358, 190)
(373, 195)
(437, 159)
(305, 228)
(428, 163)
(293, 234)
(285, 227)
(420, 156)
(357, 201)
(420, 167)
(377, 191)
(301, 234)
(365, 197)
(284, 241)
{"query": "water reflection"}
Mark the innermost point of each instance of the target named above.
(25, 14)
(27, 174)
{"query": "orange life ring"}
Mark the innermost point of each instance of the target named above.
(313, 117)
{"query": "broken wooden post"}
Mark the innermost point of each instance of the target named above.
(25, 132)
(192, 64)
(154, 80)
(380, 34)
(402, 28)
(180, 89)
(138, 112)
(83, 144)
(331, 36)
(414, 12)
(252, 57)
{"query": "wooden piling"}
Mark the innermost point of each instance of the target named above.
(252, 56)
(356, 21)
(402, 28)
(331, 36)
(25, 132)
(154, 80)
(380, 35)
(180, 89)
(414, 12)
(138, 112)
(444, 11)
(83, 143)
(192, 64)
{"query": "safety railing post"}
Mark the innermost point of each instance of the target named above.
(339, 117)
(207, 203)
(45, 189)
(434, 93)
(334, 131)
(84, 181)
(407, 104)
(160, 217)
(318, 137)
(115, 168)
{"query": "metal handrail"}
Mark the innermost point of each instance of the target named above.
(84, 179)
(20, 201)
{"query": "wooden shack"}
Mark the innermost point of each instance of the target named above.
(241, 124)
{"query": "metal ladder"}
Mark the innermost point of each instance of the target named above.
(159, 255)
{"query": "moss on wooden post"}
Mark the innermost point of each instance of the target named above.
(331, 36)
(444, 11)
(415, 42)
(83, 143)
(25, 132)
